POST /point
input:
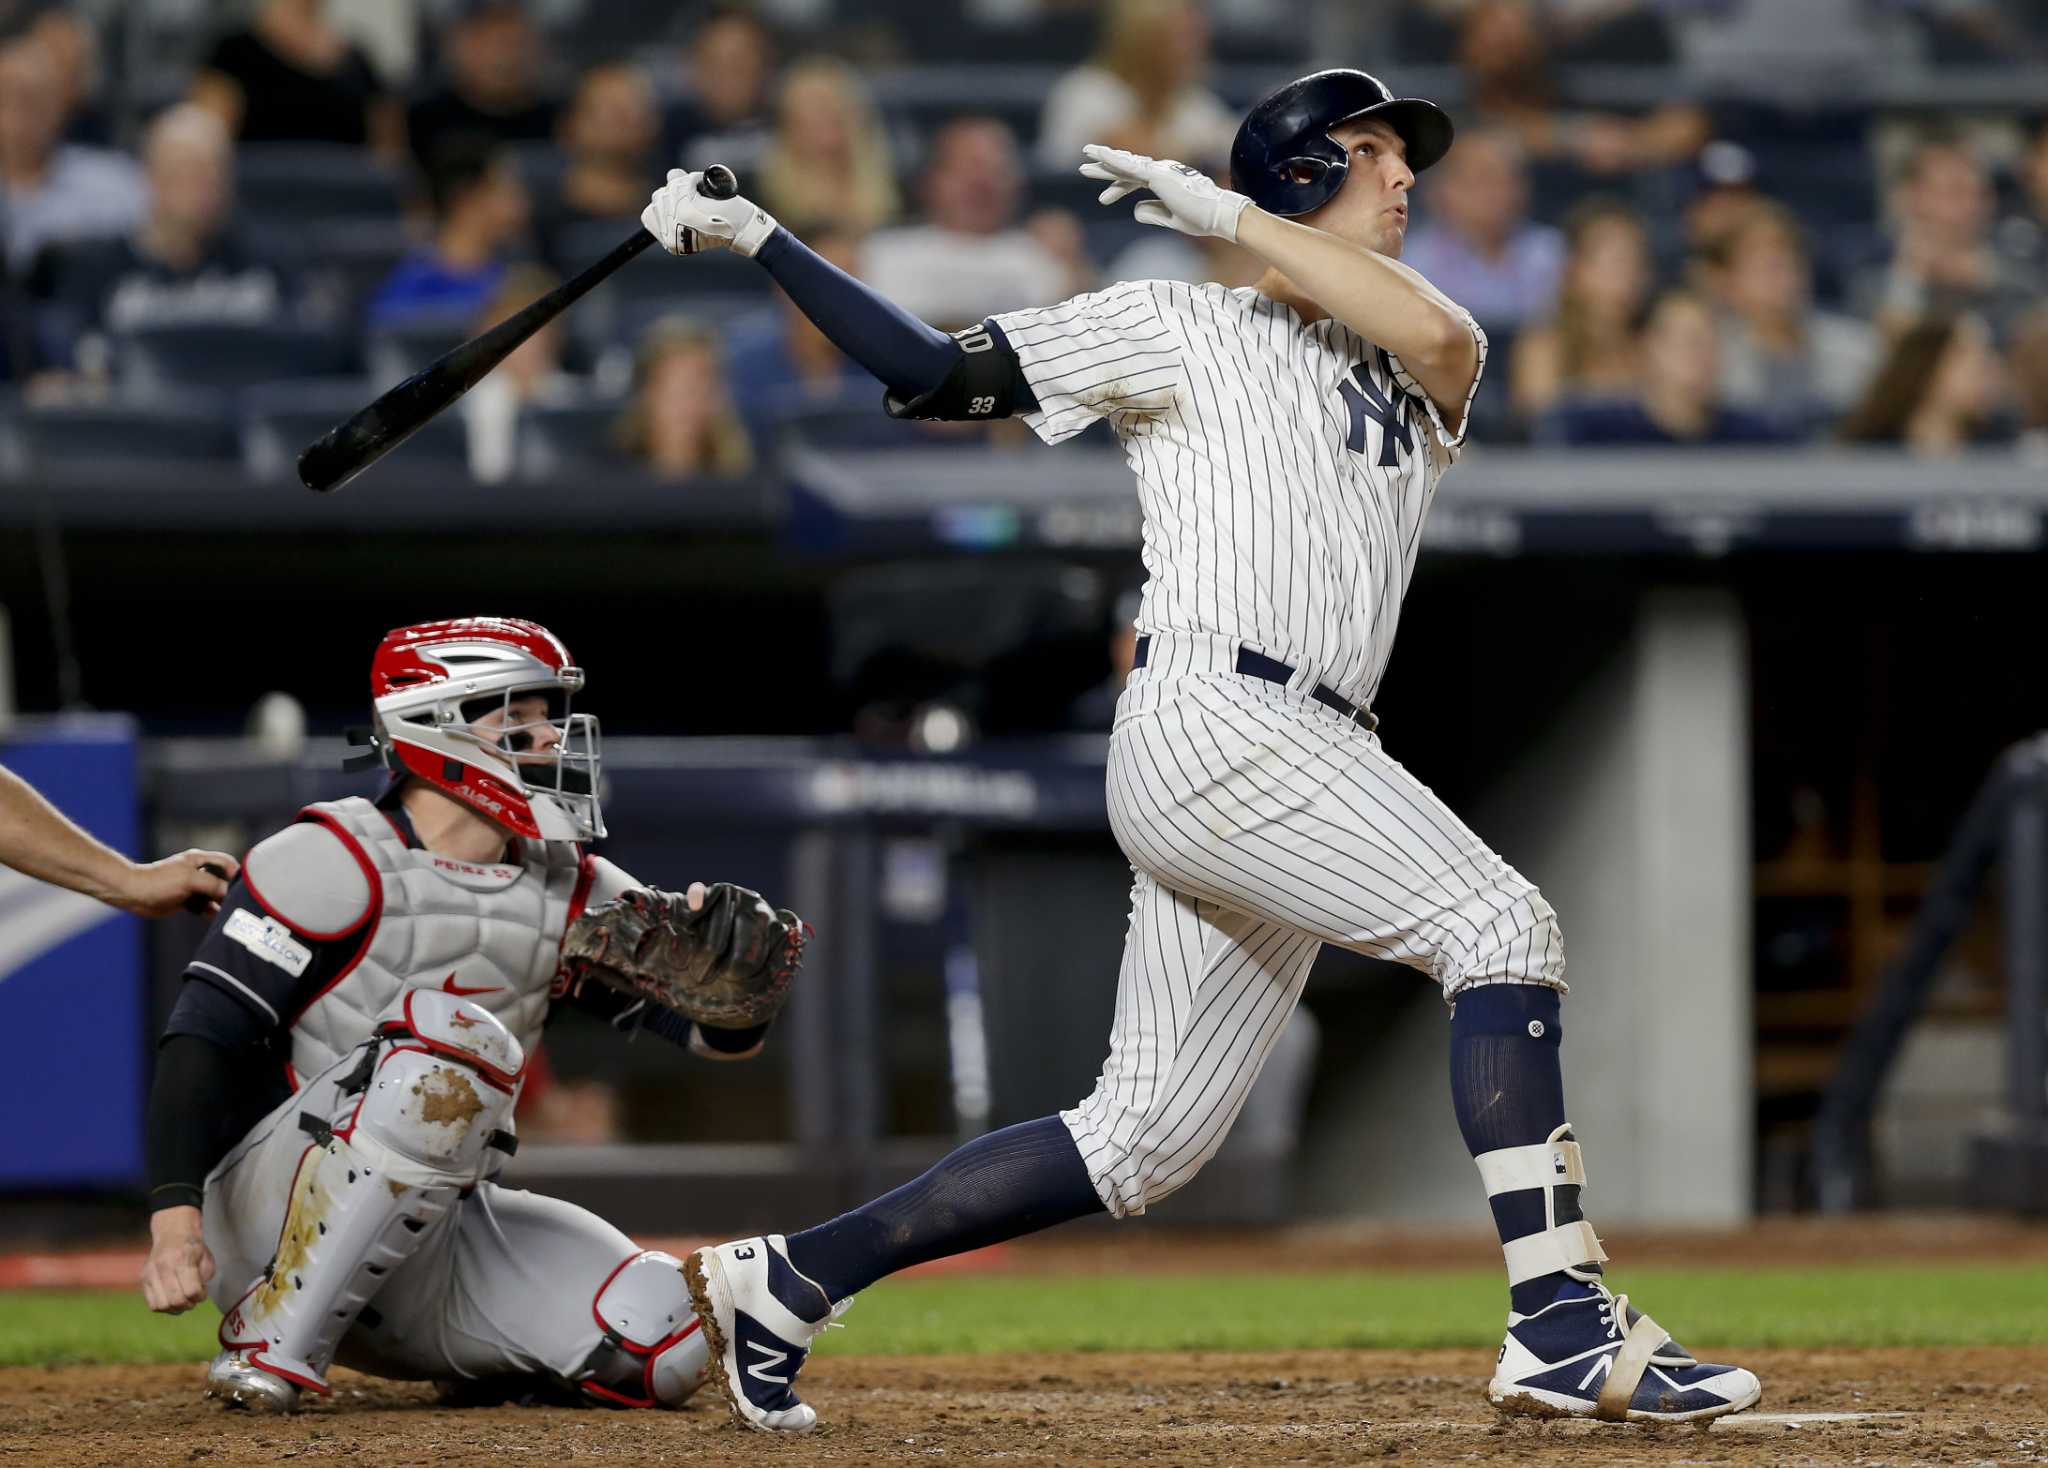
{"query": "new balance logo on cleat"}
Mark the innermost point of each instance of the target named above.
(770, 1357)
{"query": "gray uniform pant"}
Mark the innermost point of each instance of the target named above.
(500, 1285)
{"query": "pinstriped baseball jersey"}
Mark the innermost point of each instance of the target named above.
(1284, 468)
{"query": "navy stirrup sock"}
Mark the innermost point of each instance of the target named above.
(1001, 1186)
(1508, 1089)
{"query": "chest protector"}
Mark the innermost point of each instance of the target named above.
(487, 932)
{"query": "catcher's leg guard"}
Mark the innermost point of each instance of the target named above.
(433, 1089)
(653, 1353)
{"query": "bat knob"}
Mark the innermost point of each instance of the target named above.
(718, 182)
(197, 905)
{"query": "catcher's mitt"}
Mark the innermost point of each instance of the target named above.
(728, 964)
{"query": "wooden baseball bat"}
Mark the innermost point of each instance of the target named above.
(351, 446)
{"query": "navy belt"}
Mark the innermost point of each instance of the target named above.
(1254, 664)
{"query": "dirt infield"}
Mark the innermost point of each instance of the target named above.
(1943, 1406)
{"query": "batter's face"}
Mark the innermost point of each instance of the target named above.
(1371, 209)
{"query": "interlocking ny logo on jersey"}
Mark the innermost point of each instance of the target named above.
(1365, 400)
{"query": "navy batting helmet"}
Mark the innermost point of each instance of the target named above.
(1287, 163)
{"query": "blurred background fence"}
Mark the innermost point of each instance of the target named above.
(1721, 625)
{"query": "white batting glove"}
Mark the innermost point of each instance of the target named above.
(1185, 198)
(685, 221)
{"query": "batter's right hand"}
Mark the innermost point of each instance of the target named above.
(180, 1265)
(685, 221)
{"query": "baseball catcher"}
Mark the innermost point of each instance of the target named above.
(1287, 440)
(335, 1089)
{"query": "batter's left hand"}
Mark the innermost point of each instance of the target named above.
(686, 221)
(1185, 198)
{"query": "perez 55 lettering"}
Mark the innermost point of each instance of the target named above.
(269, 939)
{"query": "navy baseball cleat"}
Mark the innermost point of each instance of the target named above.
(760, 1317)
(1588, 1353)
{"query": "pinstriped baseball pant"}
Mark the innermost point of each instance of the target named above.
(1261, 825)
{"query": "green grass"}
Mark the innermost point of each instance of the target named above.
(1943, 1305)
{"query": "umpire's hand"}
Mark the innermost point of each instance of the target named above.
(180, 1265)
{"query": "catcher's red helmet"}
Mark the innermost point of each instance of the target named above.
(430, 683)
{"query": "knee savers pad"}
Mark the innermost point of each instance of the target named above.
(652, 1354)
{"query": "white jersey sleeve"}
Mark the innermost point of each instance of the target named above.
(1448, 439)
(1086, 358)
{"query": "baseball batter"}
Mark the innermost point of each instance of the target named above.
(1286, 440)
(335, 1090)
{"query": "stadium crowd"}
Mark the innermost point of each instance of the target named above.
(323, 197)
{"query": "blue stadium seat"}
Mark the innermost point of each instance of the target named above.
(168, 358)
(393, 353)
(338, 264)
(555, 440)
(279, 419)
(717, 287)
(306, 182)
(181, 429)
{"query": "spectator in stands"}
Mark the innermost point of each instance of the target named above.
(2023, 235)
(781, 362)
(531, 375)
(2030, 383)
(681, 420)
(183, 265)
(480, 220)
(53, 192)
(492, 88)
(1943, 262)
(609, 134)
(1938, 392)
(73, 47)
(723, 117)
(1143, 91)
(1507, 69)
(1591, 348)
(291, 77)
(1780, 357)
(970, 257)
(1724, 194)
(1677, 401)
(829, 162)
(1476, 243)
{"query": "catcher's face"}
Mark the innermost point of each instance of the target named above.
(1371, 209)
(522, 727)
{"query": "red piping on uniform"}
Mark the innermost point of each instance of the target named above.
(311, 1383)
(368, 924)
(503, 1079)
(249, 881)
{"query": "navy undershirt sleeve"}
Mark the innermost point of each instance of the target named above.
(907, 356)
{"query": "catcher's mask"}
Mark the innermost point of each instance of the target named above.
(433, 684)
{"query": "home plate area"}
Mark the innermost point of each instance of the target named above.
(1959, 1405)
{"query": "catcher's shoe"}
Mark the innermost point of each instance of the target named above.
(239, 1384)
(760, 1317)
(1590, 1354)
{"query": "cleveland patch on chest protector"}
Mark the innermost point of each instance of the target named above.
(269, 939)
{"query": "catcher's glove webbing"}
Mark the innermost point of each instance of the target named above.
(727, 965)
